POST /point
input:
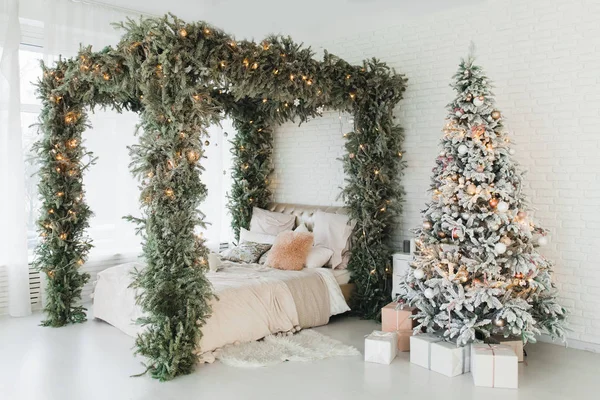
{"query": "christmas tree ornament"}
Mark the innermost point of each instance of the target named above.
(429, 293)
(465, 216)
(480, 168)
(469, 97)
(472, 189)
(351, 155)
(512, 152)
(441, 234)
(521, 215)
(506, 240)
(478, 101)
(427, 225)
(502, 207)
(542, 241)
(462, 149)
(419, 274)
(498, 321)
(494, 202)
(500, 248)
(207, 143)
(495, 115)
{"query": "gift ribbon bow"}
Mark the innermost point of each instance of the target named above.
(381, 334)
(399, 306)
(491, 348)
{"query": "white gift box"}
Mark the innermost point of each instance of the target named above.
(381, 347)
(450, 360)
(420, 349)
(494, 365)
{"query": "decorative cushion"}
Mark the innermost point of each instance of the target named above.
(318, 257)
(270, 223)
(248, 252)
(263, 258)
(249, 236)
(290, 251)
(332, 231)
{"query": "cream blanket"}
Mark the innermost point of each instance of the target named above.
(254, 302)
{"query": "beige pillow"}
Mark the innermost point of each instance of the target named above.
(332, 231)
(290, 250)
(270, 223)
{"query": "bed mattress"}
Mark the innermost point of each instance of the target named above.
(254, 302)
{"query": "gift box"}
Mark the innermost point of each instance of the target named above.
(514, 342)
(404, 339)
(450, 360)
(396, 317)
(494, 365)
(381, 347)
(420, 349)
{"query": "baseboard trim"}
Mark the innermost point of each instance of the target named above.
(572, 344)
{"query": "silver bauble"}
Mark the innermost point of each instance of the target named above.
(429, 293)
(498, 321)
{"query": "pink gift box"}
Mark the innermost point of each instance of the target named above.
(395, 317)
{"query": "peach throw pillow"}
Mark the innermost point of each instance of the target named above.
(290, 250)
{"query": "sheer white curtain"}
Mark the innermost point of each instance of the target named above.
(13, 234)
(111, 191)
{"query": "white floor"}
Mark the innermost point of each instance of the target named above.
(94, 361)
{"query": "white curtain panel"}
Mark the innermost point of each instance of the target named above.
(13, 234)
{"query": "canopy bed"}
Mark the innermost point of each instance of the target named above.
(181, 77)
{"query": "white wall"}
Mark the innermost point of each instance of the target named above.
(544, 57)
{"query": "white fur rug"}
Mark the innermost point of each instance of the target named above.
(307, 345)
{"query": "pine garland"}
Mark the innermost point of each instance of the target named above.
(180, 77)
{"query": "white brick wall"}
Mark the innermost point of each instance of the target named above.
(544, 57)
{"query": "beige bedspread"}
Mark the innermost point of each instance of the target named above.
(255, 301)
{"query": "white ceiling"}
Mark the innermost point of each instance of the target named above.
(305, 20)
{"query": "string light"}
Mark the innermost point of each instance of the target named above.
(80, 262)
(352, 95)
(255, 65)
(183, 32)
(223, 64)
(246, 62)
(206, 31)
(63, 236)
(196, 97)
(106, 76)
(60, 194)
(275, 71)
(266, 46)
(264, 100)
(292, 77)
(71, 117)
(72, 143)
(169, 193)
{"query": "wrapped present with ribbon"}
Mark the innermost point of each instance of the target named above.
(449, 359)
(381, 347)
(494, 365)
(420, 349)
(512, 341)
(396, 317)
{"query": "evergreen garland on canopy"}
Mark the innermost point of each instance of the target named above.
(180, 77)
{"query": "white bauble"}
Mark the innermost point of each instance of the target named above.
(477, 101)
(500, 248)
(442, 153)
(462, 149)
(502, 206)
(419, 274)
(429, 293)
(465, 216)
(542, 241)
(512, 152)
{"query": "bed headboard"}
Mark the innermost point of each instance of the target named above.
(304, 213)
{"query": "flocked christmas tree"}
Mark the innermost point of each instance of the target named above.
(477, 272)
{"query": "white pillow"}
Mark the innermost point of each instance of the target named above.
(270, 223)
(301, 228)
(249, 236)
(332, 231)
(214, 263)
(318, 257)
